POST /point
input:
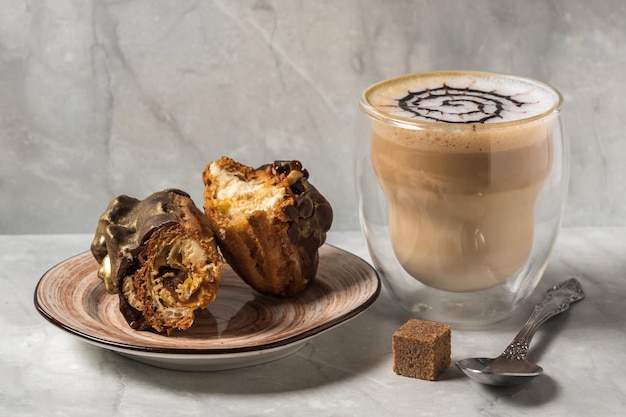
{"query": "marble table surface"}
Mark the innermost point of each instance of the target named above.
(346, 371)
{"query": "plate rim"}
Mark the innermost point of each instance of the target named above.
(203, 353)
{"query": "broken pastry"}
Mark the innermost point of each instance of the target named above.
(160, 256)
(269, 222)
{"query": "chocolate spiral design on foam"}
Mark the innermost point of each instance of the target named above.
(458, 105)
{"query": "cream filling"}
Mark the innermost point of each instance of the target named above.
(237, 197)
(184, 260)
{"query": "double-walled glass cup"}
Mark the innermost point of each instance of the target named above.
(461, 181)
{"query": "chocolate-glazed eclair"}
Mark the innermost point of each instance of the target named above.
(269, 222)
(160, 256)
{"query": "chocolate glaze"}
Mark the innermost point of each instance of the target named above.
(310, 217)
(126, 224)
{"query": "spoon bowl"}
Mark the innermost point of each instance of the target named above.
(511, 367)
(499, 371)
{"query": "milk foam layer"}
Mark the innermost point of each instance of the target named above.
(462, 98)
(527, 112)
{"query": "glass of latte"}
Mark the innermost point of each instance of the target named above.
(462, 179)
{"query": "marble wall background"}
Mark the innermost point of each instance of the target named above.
(100, 98)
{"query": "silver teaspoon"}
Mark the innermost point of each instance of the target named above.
(511, 367)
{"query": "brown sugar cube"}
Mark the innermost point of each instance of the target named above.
(421, 349)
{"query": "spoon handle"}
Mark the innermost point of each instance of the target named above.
(557, 300)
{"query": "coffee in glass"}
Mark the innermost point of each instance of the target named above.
(462, 159)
